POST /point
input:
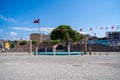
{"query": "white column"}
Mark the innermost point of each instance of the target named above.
(46, 50)
(36, 51)
(68, 49)
(30, 47)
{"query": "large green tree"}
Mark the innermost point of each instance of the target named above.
(65, 33)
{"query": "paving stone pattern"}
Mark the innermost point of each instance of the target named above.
(25, 67)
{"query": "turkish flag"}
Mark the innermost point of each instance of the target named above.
(36, 21)
(80, 29)
(90, 29)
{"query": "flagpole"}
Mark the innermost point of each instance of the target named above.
(39, 32)
(41, 36)
(38, 27)
(37, 21)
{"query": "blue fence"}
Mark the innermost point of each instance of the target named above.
(60, 53)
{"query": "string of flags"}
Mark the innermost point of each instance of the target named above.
(112, 27)
(102, 28)
(82, 29)
(37, 21)
(45, 29)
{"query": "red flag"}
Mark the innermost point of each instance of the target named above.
(112, 27)
(36, 21)
(90, 29)
(62, 30)
(80, 29)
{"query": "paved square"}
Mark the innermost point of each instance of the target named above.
(25, 67)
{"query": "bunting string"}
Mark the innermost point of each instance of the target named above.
(100, 28)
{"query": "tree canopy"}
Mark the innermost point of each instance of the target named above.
(65, 32)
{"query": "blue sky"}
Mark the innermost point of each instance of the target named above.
(17, 16)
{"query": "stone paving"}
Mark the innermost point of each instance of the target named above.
(25, 67)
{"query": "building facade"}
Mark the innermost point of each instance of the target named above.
(102, 41)
(114, 38)
(37, 37)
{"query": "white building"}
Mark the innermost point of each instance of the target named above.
(114, 38)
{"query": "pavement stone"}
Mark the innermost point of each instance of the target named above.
(94, 67)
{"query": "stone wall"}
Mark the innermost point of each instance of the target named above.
(74, 48)
(95, 47)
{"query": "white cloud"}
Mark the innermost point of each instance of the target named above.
(13, 33)
(83, 32)
(32, 29)
(24, 28)
(7, 19)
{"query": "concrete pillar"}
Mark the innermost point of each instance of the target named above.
(85, 45)
(68, 49)
(90, 50)
(82, 53)
(45, 50)
(54, 51)
(36, 51)
(30, 47)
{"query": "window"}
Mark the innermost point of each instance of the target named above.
(118, 43)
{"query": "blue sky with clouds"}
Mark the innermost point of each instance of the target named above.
(17, 16)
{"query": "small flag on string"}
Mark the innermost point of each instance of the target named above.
(81, 29)
(106, 28)
(48, 29)
(95, 34)
(62, 29)
(117, 27)
(90, 29)
(101, 27)
(112, 27)
(40, 29)
(36, 21)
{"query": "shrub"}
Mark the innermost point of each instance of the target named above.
(34, 42)
(13, 44)
(23, 42)
(54, 41)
